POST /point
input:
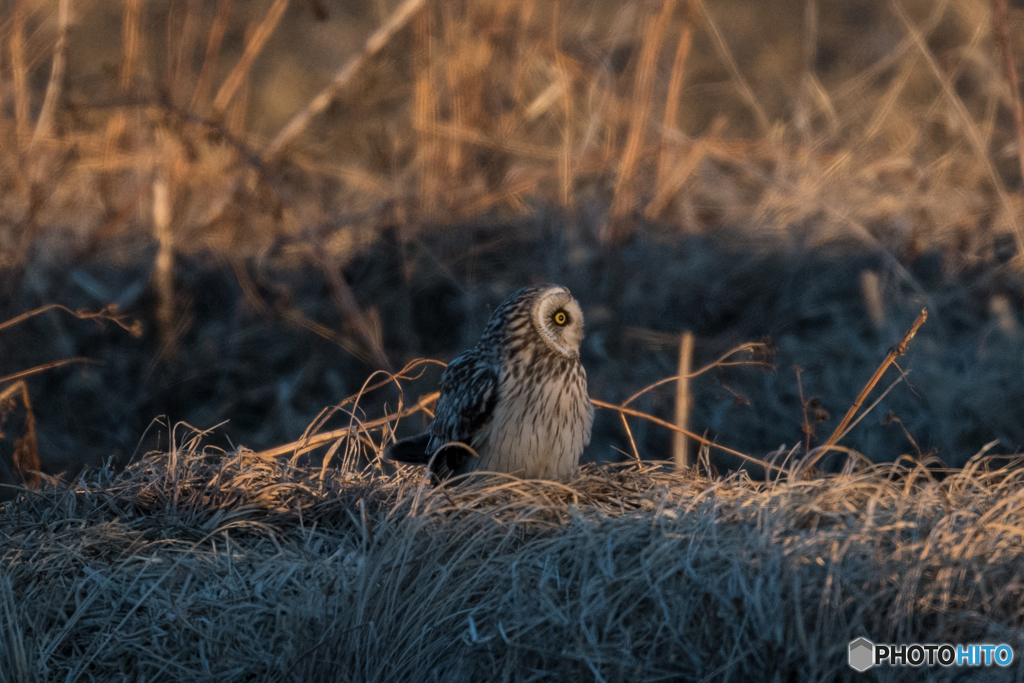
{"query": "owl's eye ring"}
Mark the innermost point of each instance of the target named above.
(560, 318)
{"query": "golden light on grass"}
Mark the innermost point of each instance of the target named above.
(669, 562)
(643, 94)
(499, 107)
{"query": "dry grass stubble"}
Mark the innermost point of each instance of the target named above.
(203, 565)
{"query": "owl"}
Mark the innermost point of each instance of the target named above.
(518, 399)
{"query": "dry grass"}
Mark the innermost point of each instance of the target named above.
(665, 110)
(210, 129)
(25, 463)
(241, 172)
(204, 565)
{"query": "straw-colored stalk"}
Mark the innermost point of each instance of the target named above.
(425, 113)
(131, 41)
(520, 69)
(182, 35)
(236, 111)
(564, 88)
(680, 446)
(676, 175)
(56, 84)
(253, 47)
(618, 228)
(1001, 29)
(300, 121)
(970, 127)
(213, 44)
(802, 106)
(871, 292)
(26, 447)
(456, 35)
(725, 54)
(670, 122)
(163, 269)
(19, 71)
(131, 37)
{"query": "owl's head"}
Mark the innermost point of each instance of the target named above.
(558, 320)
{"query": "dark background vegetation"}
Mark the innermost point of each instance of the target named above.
(810, 174)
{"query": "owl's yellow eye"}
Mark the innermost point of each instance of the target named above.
(561, 318)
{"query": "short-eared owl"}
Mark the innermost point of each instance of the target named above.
(518, 398)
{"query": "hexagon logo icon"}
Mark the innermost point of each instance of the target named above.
(862, 654)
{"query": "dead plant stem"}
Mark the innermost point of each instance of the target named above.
(298, 123)
(894, 353)
(253, 47)
(1001, 29)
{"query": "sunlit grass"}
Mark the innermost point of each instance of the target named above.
(205, 565)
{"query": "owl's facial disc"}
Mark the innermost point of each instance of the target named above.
(559, 321)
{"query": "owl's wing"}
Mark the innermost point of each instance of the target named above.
(411, 450)
(469, 391)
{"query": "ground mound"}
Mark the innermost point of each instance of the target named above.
(204, 565)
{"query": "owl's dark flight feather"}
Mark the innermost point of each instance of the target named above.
(469, 390)
(412, 450)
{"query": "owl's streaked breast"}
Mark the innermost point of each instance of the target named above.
(541, 421)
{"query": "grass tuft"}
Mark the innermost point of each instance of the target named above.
(203, 565)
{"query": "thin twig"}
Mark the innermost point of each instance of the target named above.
(629, 434)
(298, 123)
(696, 437)
(718, 363)
(618, 228)
(314, 442)
(894, 353)
(22, 374)
(970, 127)
(389, 378)
(253, 48)
(874, 404)
(808, 430)
(56, 84)
(1001, 29)
(819, 452)
(26, 447)
(19, 71)
(107, 314)
(746, 93)
(213, 43)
